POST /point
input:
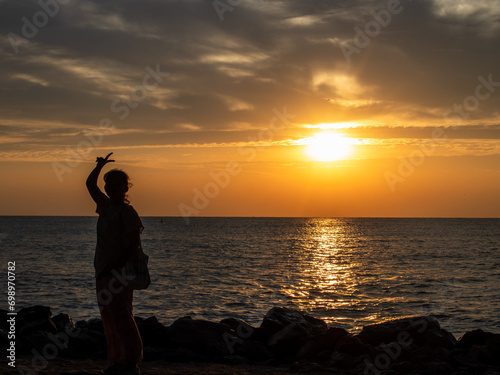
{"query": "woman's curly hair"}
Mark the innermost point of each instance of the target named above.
(121, 175)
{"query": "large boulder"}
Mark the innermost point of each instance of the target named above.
(288, 341)
(417, 330)
(481, 354)
(238, 324)
(439, 339)
(33, 312)
(493, 347)
(475, 337)
(37, 331)
(84, 341)
(152, 332)
(353, 346)
(96, 325)
(34, 318)
(279, 317)
(249, 342)
(342, 360)
(322, 342)
(254, 350)
(483, 347)
(63, 322)
(203, 337)
(242, 329)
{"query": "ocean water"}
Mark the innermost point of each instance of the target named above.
(349, 272)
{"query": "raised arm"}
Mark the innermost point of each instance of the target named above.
(94, 175)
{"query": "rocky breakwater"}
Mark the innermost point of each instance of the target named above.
(410, 345)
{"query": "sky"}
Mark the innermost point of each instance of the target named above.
(253, 108)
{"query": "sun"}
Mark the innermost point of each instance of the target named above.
(329, 147)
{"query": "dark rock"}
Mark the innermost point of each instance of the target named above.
(425, 354)
(254, 350)
(493, 347)
(476, 337)
(4, 339)
(439, 339)
(246, 331)
(351, 345)
(35, 312)
(236, 324)
(324, 358)
(414, 345)
(332, 336)
(44, 325)
(243, 330)
(152, 332)
(459, 358)
(416, 355)
(231, 322)
(372, 366)
(260, 334)
(35, 318)
(393, 351)
(481, 354)
(82, 324)
(46, 343)
(322, 342)
(316, 325)
(96, 325)
(153, 353)
(151, 320)
(402, 367)
(406, 331)
(308, 351)
(202, 337)
(3, 319)
(63, 322)
(279, 317)
(87, 341)
(441, 354)
(440, 368)
(341, 360)
(288, 340)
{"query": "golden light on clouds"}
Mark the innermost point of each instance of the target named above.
(333, 125)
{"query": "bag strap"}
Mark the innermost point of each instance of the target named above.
(122, 234)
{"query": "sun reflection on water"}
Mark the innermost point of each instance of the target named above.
(325, 276)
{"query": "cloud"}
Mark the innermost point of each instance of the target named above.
(228, 75)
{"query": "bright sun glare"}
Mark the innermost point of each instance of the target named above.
(328, 147)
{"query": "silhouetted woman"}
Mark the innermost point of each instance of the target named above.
(118, 240)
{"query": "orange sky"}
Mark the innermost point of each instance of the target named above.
(215, 113)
